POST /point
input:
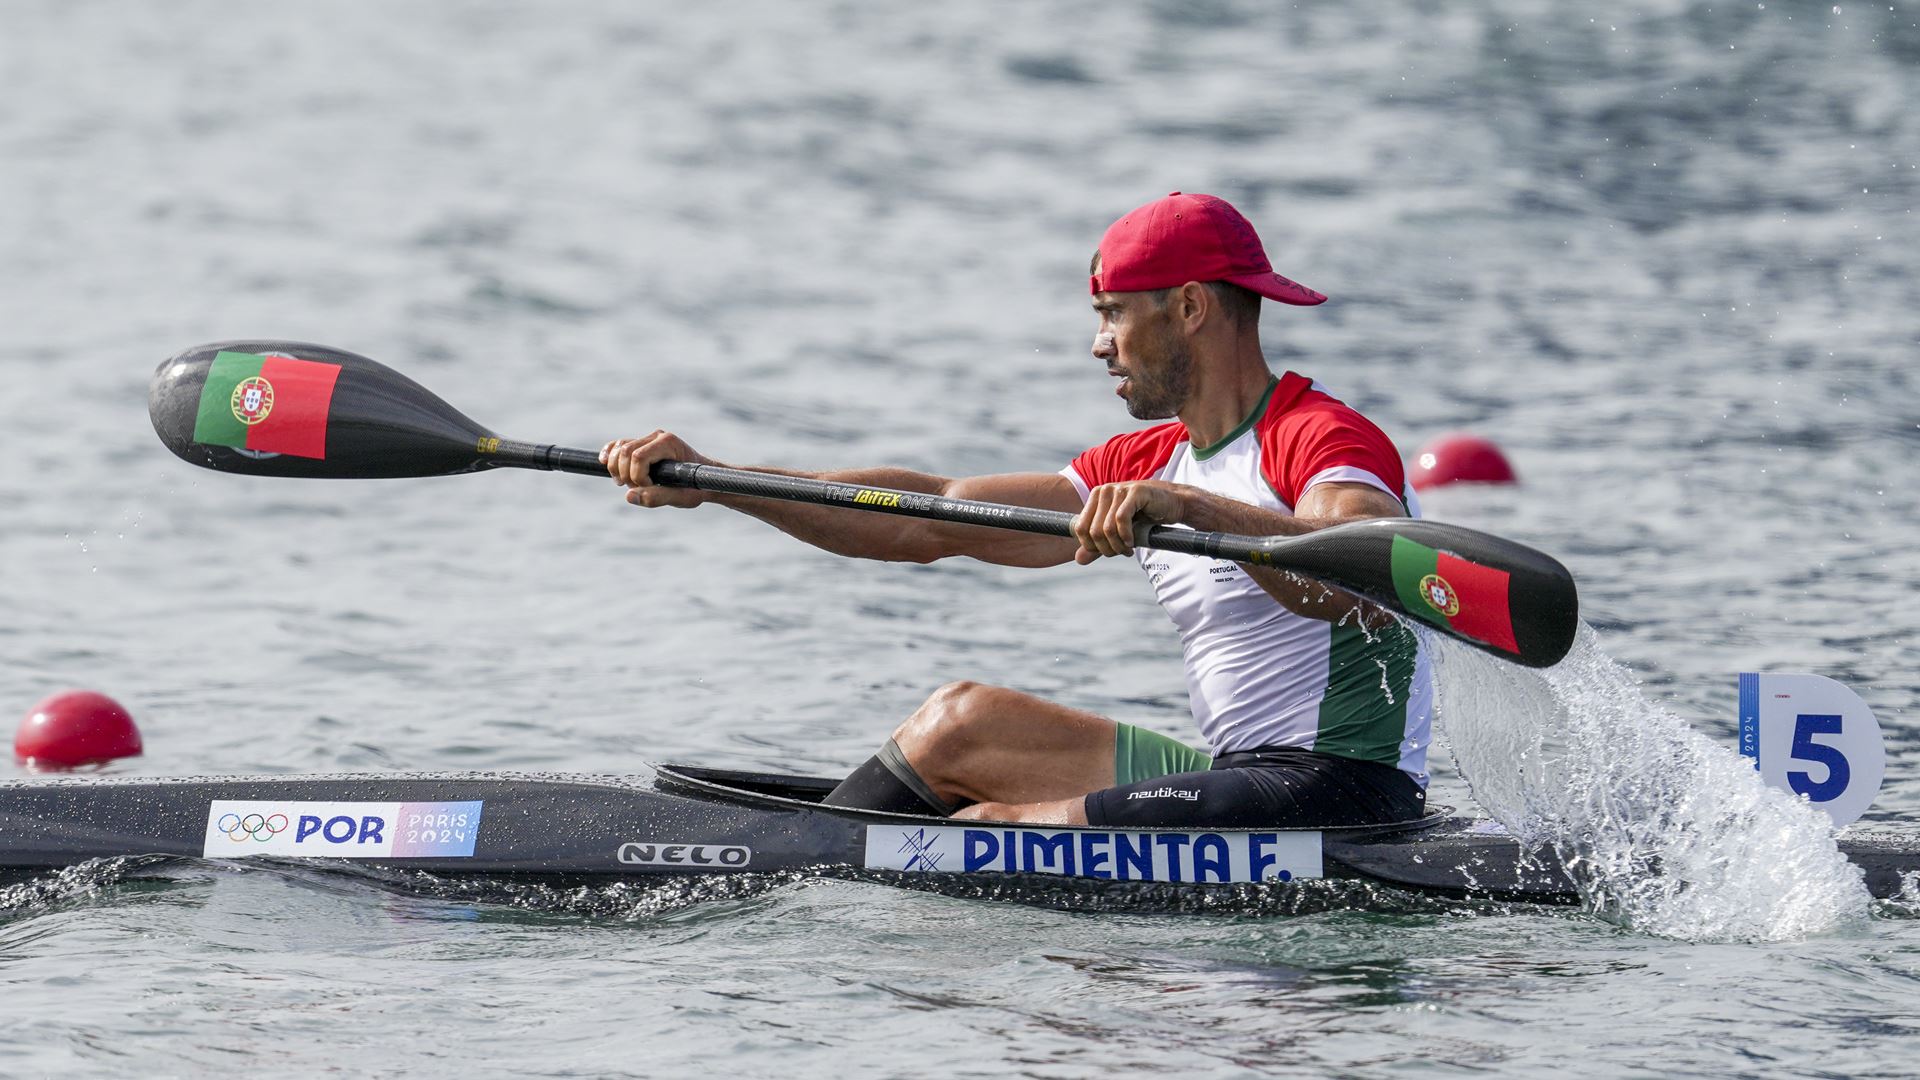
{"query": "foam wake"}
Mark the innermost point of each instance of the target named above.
(1667, 832)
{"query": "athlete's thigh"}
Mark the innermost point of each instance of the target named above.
(992, 744)
(1143, 754)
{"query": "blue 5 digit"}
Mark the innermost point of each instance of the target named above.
(1805, 727)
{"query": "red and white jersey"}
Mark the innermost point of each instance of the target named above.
(1258, 674)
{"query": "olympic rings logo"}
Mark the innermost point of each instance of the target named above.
(259, 827)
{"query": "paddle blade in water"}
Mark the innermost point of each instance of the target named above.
(281, 408)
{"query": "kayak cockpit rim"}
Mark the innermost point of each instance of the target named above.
(805, 793)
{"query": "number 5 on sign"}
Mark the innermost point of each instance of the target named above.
(1812, 736)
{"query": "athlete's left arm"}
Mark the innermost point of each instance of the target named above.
(1104, 527)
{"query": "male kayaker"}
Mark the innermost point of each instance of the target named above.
(1317, 708)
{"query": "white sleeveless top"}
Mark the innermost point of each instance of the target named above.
(1258, 674)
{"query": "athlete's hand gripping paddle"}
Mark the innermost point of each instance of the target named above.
(280, 408)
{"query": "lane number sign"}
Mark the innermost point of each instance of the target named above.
(1812, 736)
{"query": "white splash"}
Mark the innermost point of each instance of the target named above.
(1668, 832)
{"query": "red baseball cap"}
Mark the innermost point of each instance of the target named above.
(1183, 238)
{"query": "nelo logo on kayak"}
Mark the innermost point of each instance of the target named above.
(648, 853)
(342, 830)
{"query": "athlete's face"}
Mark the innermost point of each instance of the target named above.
(1143, 348)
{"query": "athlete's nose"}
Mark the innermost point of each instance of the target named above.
(1103, 347)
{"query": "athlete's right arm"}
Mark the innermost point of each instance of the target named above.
(862, 534)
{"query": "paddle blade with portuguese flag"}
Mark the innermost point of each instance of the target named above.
(1464, 596)
(1506, 598)
(266, 403)
(279, 408)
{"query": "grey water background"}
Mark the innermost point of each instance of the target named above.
(1661, 251)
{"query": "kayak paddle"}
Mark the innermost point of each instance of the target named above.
(280, 408)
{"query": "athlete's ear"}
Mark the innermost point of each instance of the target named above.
(1194, 304)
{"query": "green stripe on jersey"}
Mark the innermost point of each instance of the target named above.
(1202, 453)
(1369, 687)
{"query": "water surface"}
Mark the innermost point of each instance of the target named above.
(1661, 252)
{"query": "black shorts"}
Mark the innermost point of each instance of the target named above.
(1277, 787)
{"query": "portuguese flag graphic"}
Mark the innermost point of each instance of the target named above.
(267, 404)
(1451, 591)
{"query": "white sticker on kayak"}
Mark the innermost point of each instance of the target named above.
(342, 830)
(1814, 737)
(1117, 854)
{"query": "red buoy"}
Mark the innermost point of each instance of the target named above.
(1460, 459)
(73, 728)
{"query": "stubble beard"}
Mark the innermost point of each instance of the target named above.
(1158, 396)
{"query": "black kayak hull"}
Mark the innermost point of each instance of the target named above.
(686, 820)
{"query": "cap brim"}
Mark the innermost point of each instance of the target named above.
(1275, 287)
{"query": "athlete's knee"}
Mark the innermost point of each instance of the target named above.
(987, 811)
(951, 718)
(1058, 812)
(960, 698)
